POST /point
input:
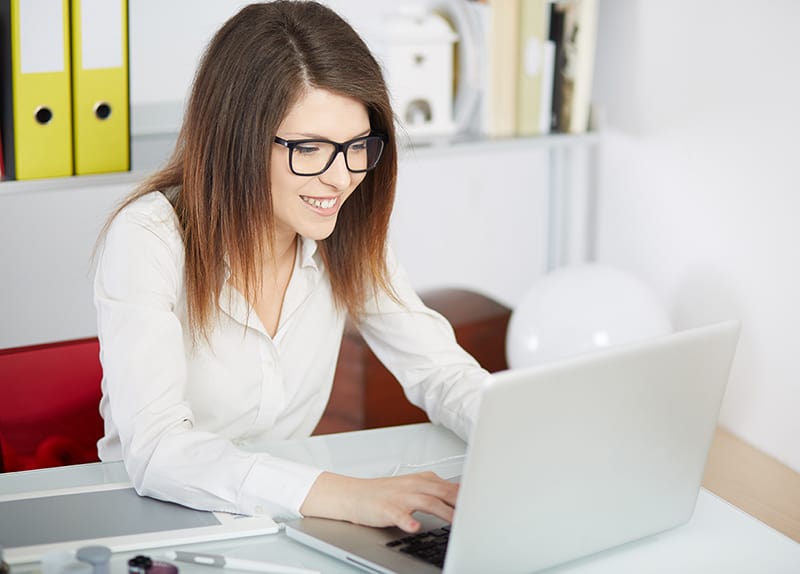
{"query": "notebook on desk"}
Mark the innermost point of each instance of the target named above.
(35, 523)
(566, 460)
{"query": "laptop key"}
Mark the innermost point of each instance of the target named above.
(429, 546)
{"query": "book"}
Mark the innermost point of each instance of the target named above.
(556, 37)
(499, 108)
(534, 20)
(576, 64)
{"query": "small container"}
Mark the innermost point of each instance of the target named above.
(145, 565)
(96, 556)
(418, 58)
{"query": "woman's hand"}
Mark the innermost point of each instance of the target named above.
(381, 501)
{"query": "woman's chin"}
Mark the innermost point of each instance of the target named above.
(318, 232)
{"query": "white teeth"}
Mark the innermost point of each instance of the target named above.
(322, 204)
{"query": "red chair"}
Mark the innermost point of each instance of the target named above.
(49, 404)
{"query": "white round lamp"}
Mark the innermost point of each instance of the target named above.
(582, 308)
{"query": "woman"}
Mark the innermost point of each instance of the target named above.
(224, 281)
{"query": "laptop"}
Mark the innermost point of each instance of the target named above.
(565, 460)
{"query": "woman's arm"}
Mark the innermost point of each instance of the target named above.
(150, 423)
(418, 346)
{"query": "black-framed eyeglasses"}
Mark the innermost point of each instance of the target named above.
(314, 156)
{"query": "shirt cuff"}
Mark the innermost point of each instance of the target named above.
(276, 487)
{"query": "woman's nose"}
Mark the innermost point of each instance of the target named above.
(337, 173)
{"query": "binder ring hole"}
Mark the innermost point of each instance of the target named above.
(43, 115)
(102, 110)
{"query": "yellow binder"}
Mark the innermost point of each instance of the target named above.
(36, 108)
(100, 97)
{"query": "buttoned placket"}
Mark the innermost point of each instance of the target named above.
(304, 278)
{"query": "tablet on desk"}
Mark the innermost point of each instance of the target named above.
(113, 515)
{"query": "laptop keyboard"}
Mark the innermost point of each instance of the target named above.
(429, 546)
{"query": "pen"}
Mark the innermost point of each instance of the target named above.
(219, 561)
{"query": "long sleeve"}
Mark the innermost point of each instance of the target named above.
(149, 418)
(418, 346)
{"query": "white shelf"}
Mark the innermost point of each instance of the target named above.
(147, 153)
(448, 145)
(67, 183)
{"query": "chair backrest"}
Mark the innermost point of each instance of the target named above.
(49, 399)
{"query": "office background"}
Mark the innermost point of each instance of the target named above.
(698, 191)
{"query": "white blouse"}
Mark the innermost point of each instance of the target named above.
(181, 414)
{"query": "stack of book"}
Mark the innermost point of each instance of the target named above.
(64, 88)
(538, 65)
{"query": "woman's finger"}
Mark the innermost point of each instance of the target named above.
(434, 506)
(433, 485)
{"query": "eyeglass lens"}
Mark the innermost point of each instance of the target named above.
(315, 156)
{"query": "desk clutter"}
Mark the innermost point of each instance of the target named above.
(85, 560)
(96, 559)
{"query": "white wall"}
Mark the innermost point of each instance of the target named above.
(700, 186)
(46, 241)
(167, 40)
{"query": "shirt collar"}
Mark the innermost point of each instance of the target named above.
(233, 303)
(308, 252)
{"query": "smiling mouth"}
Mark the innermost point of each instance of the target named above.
(320, 203)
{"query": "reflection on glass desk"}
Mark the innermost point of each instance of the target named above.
(718, 538)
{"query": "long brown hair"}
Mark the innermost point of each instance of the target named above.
(218, 179)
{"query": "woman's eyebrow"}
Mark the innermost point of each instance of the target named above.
(309, 135)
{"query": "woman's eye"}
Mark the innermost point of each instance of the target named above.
(306, 149)
(358, 146)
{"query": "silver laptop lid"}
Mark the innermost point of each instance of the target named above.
(575, 457)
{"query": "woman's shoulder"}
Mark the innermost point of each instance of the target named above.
(147, 224)
(151, 211)
(141, 252)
